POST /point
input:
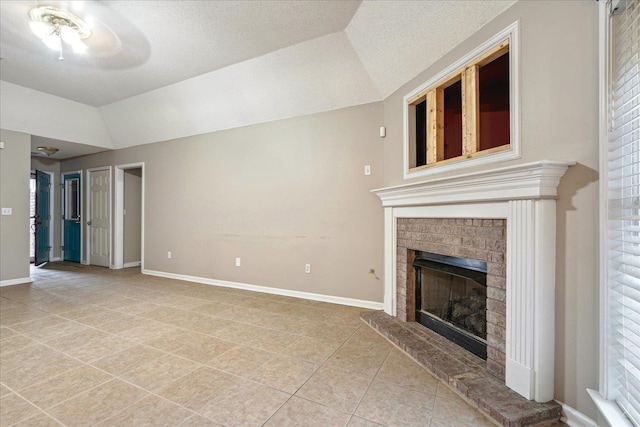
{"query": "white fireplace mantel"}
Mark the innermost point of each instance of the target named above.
(525, 196)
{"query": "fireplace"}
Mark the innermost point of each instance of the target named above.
(451, 298)
(520, 269)
(476, 248)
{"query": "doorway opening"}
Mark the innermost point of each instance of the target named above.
(32, 217)
(129, 216)
(41, 193)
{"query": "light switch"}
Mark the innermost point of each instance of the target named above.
(367, 170)
(7, 211)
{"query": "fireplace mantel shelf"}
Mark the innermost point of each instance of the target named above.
(537, 180)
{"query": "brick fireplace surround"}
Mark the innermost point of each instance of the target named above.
(506, 217)
(479, 239)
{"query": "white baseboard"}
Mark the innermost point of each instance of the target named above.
(268, 290)
(12, 282)
(84, 262)
(132, 264)
(574, 418)
(55, 259)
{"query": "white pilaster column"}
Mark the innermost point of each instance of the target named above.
(390, 235)
(530, 314)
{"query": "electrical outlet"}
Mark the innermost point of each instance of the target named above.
(7, 211)
(238, 262)
(169, 254)
(307, 268)
(367, 169)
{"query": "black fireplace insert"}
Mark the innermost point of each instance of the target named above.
(451, 298)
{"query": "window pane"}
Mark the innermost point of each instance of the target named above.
(623, 213)
(71, 202)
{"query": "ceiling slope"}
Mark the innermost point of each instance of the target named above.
(319, 75)
(396, 40)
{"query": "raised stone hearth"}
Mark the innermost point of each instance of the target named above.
(465, 373)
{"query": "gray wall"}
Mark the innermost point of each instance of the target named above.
(132, 228)
(278, 195)
(53, 166)
(559, 110)
(14, 194)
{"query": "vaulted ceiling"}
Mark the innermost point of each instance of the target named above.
(209, 65)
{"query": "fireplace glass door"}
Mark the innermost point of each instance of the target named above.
(457, 300)
(451, 298)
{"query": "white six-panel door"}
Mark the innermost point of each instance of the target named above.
(99, 220)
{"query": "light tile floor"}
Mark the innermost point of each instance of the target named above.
(87, 346)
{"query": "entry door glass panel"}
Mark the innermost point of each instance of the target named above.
(72, 202)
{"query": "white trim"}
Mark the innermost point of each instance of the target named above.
(62, 208)
(604, 172)
(609, 410)
(88, 206)
(268, 290)
(513, 33)
(524, 195)
(389, 304)
(52, 194)
(55, 259)
(52, 187)
(13, 282)
(118, 232)
(534, 180)
(574, 418)
(132, 264)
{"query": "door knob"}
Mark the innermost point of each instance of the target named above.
(88, 222)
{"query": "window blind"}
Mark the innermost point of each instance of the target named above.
(623, 203)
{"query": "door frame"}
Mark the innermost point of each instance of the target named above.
(52, 193)
(62, 207)
(87, 260)
(118, 250)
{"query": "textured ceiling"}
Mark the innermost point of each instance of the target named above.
(138, 46)
(396, 40)
(159, 70)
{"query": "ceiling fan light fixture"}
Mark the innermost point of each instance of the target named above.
(54, 26)
(48, 151)
(71, 37)
(53, 42)
(40, 29)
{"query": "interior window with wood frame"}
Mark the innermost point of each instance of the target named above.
(464, 115)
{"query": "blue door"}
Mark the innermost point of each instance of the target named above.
(43, 186)
(71, 217)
